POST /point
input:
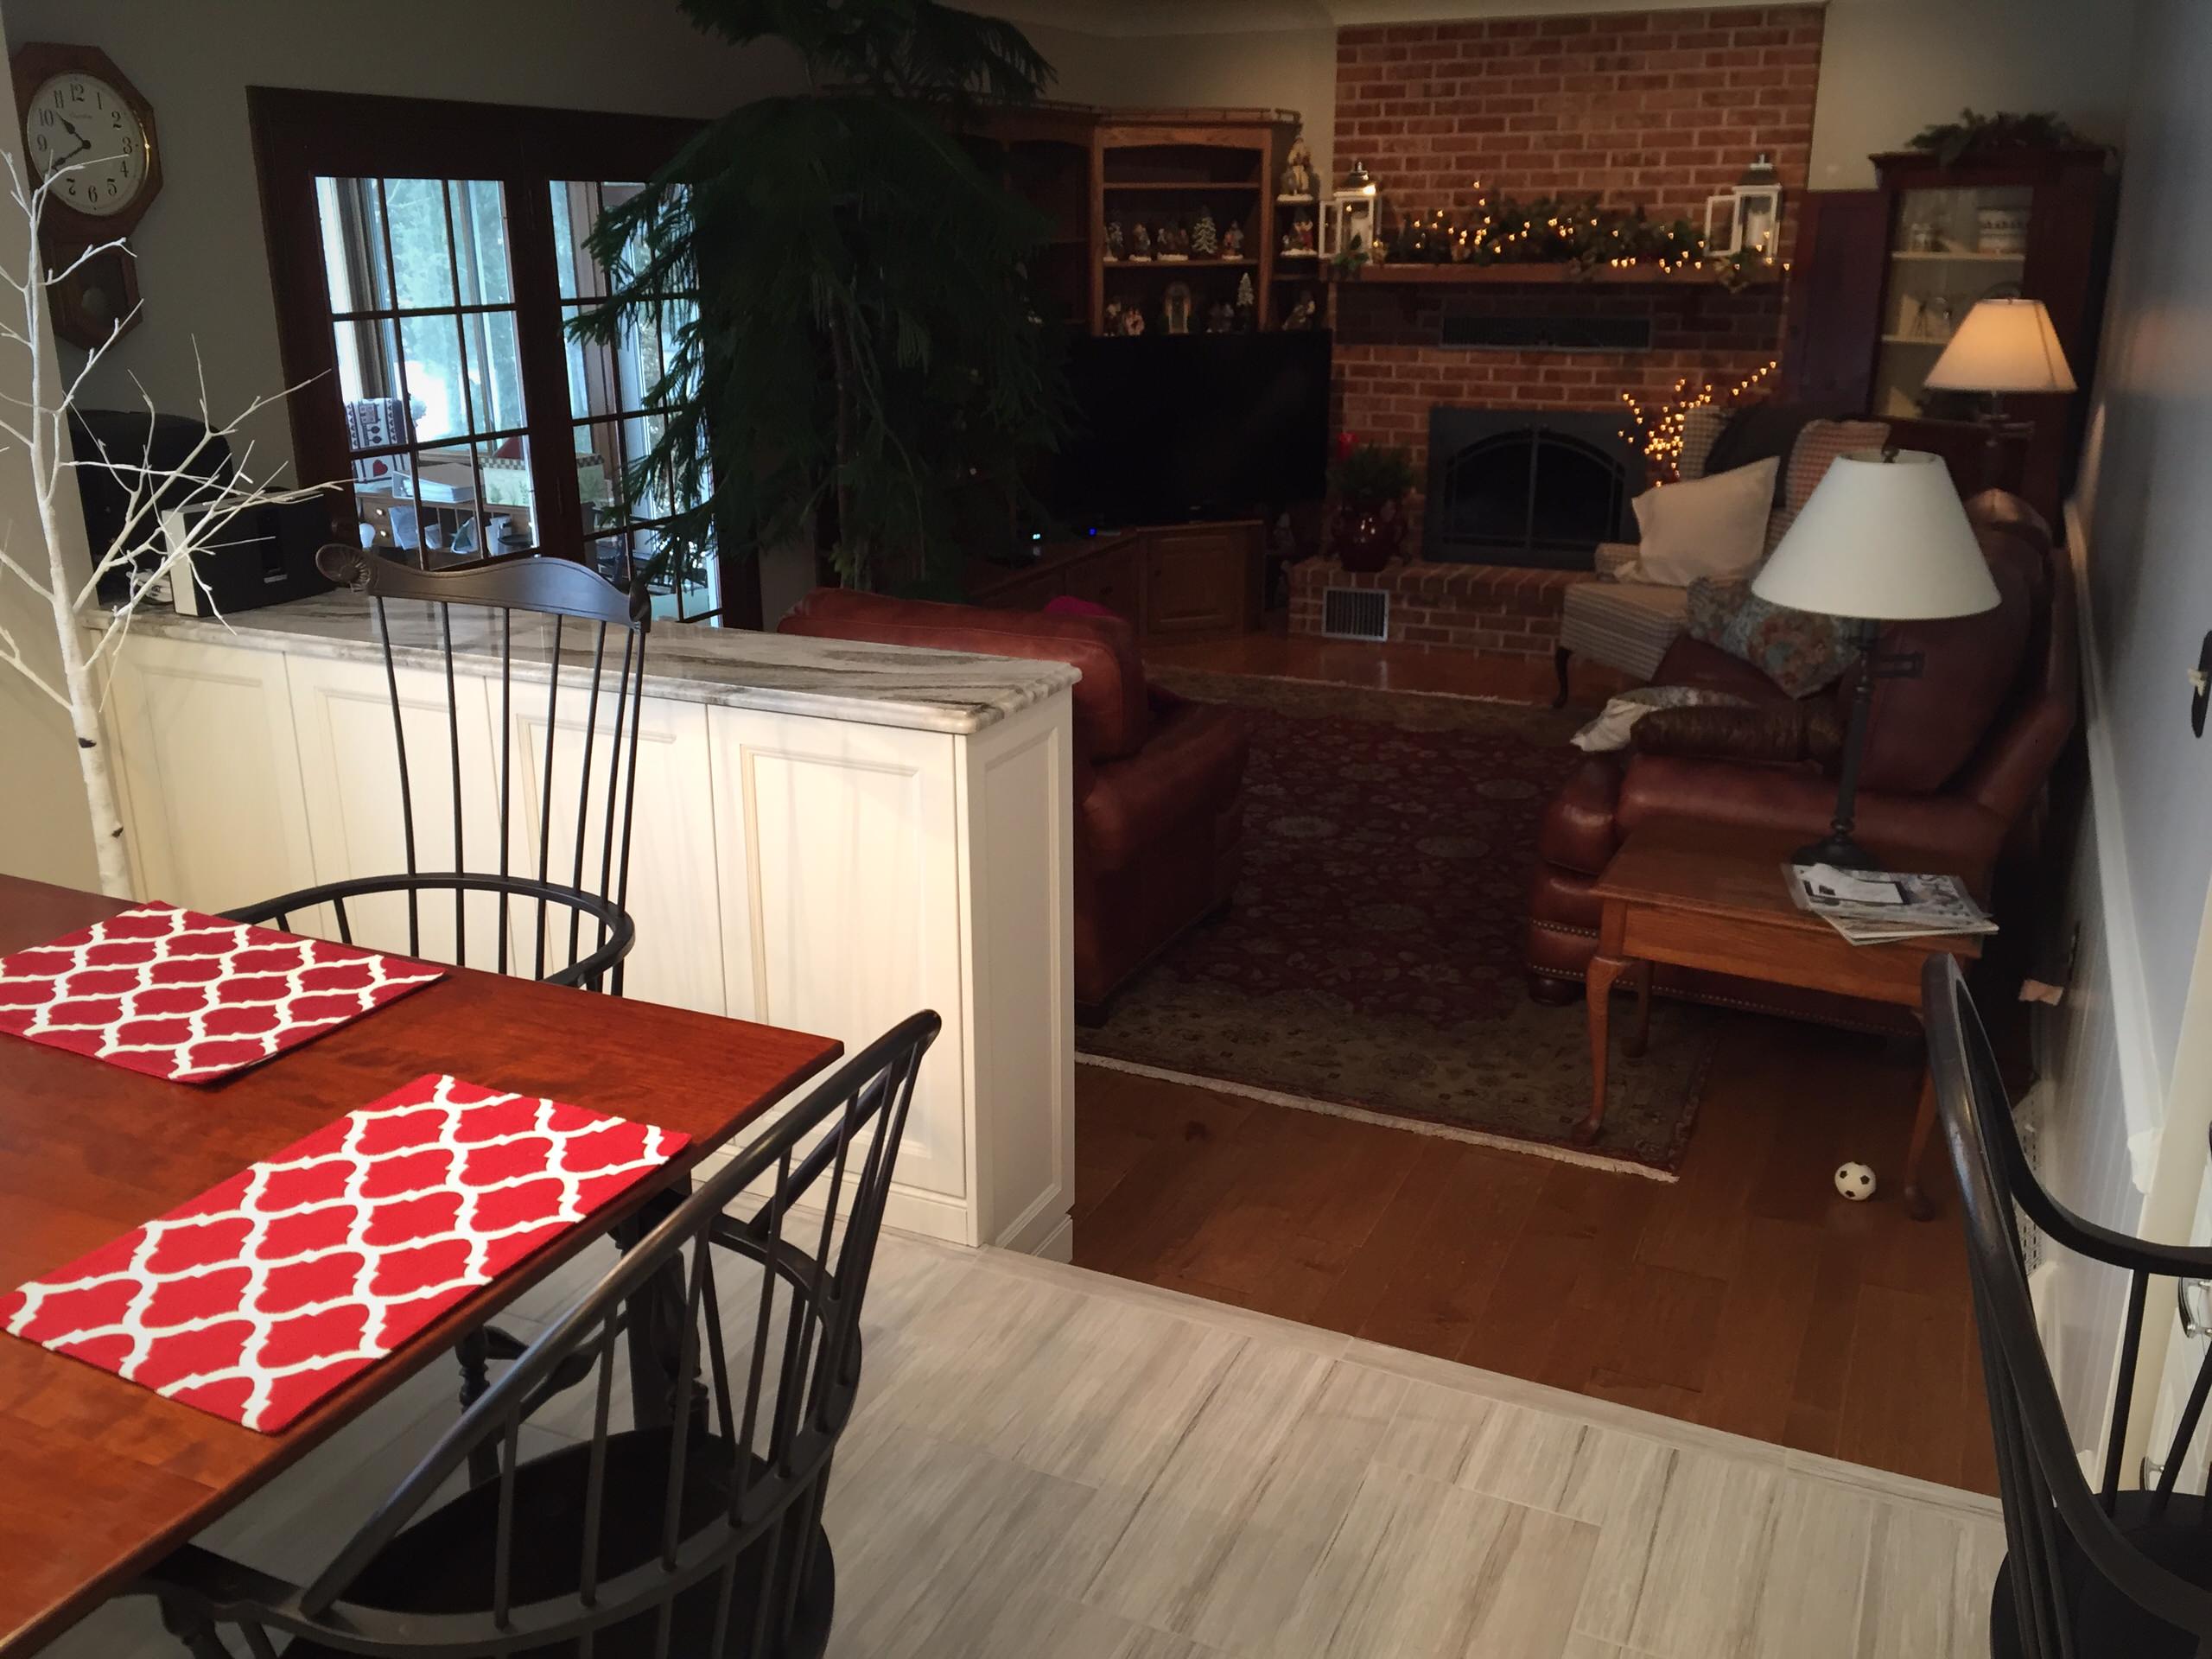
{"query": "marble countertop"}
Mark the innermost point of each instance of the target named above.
(834, 680)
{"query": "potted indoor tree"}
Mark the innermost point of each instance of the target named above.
(1370, 481)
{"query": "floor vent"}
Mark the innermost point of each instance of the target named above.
(1355, 613)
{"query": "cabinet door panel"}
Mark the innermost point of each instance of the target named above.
(677, 958)
(840, 896)
(209, 775)
(1196, 581)
(350, 771)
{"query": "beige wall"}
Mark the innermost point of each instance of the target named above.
(1890, 67)
(201, 261)
(44, 831)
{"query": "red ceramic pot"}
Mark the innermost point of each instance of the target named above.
(1366, 538)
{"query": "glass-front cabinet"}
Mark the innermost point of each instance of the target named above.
(1950, 245)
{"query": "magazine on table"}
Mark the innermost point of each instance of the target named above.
(1873, 907)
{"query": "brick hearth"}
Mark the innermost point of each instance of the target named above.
(1504, 611)
(1656, 110)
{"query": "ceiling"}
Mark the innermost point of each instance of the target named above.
(1146, 17)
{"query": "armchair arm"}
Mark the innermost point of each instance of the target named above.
(1945, 830)
(1615, 557)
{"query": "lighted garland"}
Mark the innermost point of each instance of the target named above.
(1558, 231)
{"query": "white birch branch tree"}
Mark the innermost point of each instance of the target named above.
(170, 513)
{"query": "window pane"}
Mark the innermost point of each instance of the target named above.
(480, 218)
(494, 369)
(353, 244)
(422, 256)
(432, 348)
(368, 361)
(509, 500)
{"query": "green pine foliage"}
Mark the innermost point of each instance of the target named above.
(864, 356)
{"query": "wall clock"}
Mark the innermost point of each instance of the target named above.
(89, 133)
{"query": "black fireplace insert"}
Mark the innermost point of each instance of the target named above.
(1510, 486)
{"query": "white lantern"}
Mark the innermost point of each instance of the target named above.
(1749, 217)
(1349, 217)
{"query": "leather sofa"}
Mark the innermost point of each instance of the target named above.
(1956, 763)
(1159, 780)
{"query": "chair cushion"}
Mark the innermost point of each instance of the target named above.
(443, 1562)
(2103, 1620)
(1924, 727)
(1626, 625)
(1111, 717)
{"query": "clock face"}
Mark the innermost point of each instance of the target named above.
(80, 127)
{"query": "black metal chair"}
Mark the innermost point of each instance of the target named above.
(698, 1531)
(2086, 1573)
(593, 897)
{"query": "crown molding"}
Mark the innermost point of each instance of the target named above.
(1133, 19)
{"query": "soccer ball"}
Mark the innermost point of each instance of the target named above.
(1855, 1182)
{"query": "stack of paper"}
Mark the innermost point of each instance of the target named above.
(1871, 908)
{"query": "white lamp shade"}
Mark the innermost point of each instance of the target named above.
(2003, 346)
(1882, 538)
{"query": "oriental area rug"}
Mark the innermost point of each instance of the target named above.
(1370, 964)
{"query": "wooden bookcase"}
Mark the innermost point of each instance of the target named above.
(1859, 333)
(1085, 166)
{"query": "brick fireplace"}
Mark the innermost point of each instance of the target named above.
(1655, 109)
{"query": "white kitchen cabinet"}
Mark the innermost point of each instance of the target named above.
(799, 869)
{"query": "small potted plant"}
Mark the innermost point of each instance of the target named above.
(1370, 481)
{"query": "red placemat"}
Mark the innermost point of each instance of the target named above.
(191, 998)
(262, 1294)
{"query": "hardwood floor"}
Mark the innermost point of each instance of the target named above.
(1748, 1296)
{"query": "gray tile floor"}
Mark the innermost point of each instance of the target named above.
(1048, 1462)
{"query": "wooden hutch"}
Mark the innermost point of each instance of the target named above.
(1883, 276)
(1086, 168)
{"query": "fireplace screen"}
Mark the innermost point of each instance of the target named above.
(1504, 489)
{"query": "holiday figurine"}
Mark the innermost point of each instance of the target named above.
(1298, 171)
(1302, 314)
(1173, 243)
(1248, 305)
(1175, 309)
(1206, 240)
(1232, 240)
(1140, 242)
(1221, 318)
(1302, 228)
(1114, 238)
(1113, 321)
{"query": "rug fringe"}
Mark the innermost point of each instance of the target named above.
(1388, 1120)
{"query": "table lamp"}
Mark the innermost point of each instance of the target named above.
(2004, 345)
(1882, 539)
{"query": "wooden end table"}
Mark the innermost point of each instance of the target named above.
(1698, 896)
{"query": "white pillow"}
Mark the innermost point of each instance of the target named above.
(1711, 526)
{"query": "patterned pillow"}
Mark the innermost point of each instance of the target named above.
(1798, 650)
(1818, 444)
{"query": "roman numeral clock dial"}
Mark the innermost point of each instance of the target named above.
(88, 137)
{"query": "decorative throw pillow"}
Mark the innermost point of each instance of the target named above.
(1816, 448)
(1708, 527)
(1776, 733)
(1798, 650)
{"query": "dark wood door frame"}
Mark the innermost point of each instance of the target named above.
(301, 136)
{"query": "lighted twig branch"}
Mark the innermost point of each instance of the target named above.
(1656, 429)
(169, 513)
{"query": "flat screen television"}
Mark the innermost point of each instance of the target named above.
(1171, 428)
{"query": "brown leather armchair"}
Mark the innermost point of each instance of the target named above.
(1956, 759)
(1159, 781)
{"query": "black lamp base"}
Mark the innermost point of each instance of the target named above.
(1838, 852)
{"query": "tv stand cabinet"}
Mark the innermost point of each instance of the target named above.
(1180, 581)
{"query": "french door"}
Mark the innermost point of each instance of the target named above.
(427, 258)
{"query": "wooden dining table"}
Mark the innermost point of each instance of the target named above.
(99, 1477)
